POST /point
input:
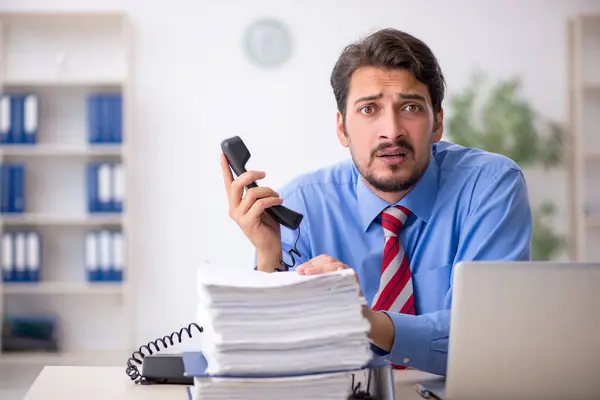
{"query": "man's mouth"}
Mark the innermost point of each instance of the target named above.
(393, 153)
(393, 156)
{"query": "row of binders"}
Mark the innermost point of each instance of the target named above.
(106, 187)
(105, 255)
(12, 188)
(105, 118)
(21, 256)
(20, 116)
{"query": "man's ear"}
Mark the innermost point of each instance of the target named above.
(438, 128)
(341, 134)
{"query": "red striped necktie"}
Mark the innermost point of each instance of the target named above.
(395, 292)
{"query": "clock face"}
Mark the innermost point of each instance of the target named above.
(268, 43)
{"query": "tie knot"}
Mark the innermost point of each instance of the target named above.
(393, 219)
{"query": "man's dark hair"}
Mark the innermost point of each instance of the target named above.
(389, 49)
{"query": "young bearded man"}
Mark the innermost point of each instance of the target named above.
(403, 210)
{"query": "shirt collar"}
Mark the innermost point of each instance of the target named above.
(419, 200)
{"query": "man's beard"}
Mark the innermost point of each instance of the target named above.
(393, 184)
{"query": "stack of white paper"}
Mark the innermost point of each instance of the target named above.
(279, 325)
(331, 386)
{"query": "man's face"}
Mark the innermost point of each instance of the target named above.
(389, 127)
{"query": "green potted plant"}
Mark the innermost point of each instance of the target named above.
(498, 119)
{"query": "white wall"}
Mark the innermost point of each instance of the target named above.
(193, 87)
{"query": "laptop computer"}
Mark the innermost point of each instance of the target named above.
(523, 330)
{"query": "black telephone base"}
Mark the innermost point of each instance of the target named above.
(164, 369)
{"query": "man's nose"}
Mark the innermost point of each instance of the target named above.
(391, 127)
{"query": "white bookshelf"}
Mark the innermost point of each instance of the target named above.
(583, 57)
(62, 58)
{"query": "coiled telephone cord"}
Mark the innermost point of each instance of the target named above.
(132, 369)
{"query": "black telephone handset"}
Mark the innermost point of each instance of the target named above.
(237, 155)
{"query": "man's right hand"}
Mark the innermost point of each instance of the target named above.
(247, 210)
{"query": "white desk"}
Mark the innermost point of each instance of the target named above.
(102, 383)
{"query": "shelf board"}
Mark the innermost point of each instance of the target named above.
(57, 83)
(41, 288)
(57, 220)
(68, 16)
(82, 358)
(55, 150)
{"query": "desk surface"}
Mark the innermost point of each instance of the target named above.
(91, 383)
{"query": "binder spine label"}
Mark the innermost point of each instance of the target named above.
(119, 187)
(105, 255)
(93, 119)
(17, 189)
(20, 254)
(7, 257)
(118, 256)
(31, 118)
(33, 256)
(5, 119)
(104, 187)
(91, 256)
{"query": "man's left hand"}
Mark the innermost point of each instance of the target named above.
(320, 265)
(381, 324)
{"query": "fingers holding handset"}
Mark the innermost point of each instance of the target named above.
(257, 200)
(247, 209)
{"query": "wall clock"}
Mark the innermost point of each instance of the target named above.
(268, 43)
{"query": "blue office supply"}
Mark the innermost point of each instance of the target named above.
(20, 257)
(112, 107)
(7, 257)
(105, 255)
(105, 188)
(16, 134)
(92, 265)
(30, 333)
(117, 188)
(117, 257)
(5, 194)
(30, 119)
(105, 118)
(12, 188)
(33, 260)
(22, 111)
(5, 118)
(17, 188)
(92, 188)
(94, 126)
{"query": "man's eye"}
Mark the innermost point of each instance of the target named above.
(367, 109)
(413, 108)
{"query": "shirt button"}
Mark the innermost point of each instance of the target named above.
(406, 360)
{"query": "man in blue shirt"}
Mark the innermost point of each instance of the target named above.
(457, 204)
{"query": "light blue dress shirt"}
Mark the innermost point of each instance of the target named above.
(469, 205)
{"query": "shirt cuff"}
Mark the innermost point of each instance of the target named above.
(412, 341)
